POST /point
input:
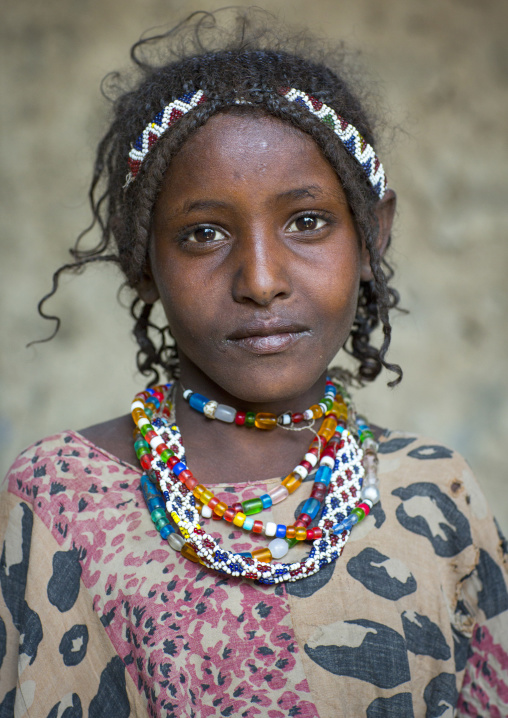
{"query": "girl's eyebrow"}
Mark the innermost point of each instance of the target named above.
(301, 192)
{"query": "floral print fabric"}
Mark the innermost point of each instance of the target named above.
(99, 616)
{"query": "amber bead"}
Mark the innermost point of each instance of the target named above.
(189, 553)
(290, 532)
(317, 411)
(262, 554)
(292, 482)
(198, 490)
(301, 533)
(206, 495)
(221, 508)
(265, 421)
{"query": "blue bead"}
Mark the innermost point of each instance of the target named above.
(246, 554)
(154, 504)
(311, 507)
(248, 523)
(323, 475)
(339, 429)
(198, 401)
(280, 531)
(267, 500)
(178, 468)
(166, 531)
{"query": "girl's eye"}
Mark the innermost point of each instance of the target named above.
(204, 235)
(306, 223)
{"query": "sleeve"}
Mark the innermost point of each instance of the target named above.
(483, 606)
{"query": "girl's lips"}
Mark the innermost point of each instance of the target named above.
(270, 344)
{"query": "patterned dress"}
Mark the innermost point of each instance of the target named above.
(100, 617)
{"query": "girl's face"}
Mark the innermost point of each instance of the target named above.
(255, 258)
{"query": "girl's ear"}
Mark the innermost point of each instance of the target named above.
(385, 212)
(146, 287)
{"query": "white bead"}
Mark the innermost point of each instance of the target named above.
(176, 541)
(301, 471)
(284, 419)
(308, 415)
(311, 458)
(323, 407)
(371, 493)
(278, 548)
(156, 441)
(137, 405)
(187, 394)
(270, 529)
(206, 512)
(225, 413)
(143, 422)
(327, 461)
(209, 409)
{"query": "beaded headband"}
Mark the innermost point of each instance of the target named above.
(348, 134)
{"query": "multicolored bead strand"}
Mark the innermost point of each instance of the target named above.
(336, 487)
(261, 420)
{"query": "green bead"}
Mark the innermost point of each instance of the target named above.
(252, 506)
(328, 402)
(146, 428)
(142, 451)
(291, 542)
(359, 512)
(148, 412)
(161, 523)
(365, 434)
(167, 454)
(250, 418)
(157, 514)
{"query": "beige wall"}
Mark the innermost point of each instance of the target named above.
(442, 68)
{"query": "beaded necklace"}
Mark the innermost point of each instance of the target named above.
(337, 485)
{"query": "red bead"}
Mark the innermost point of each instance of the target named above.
(365, 507)
(237, 507)
(146, 462)
(318, 494)
(172, 461)
(297, 417)
(240, 418)
(305, 518)
(257, 527)
(150, 435)
(229, 514)
(184, 475)
(159, 449)
(212, 503)
(317, 532)
(310, 535)
(306, 465)
(158, 395)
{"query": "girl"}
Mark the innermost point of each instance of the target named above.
(192, 558)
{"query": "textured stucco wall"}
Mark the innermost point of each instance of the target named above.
(442, 68)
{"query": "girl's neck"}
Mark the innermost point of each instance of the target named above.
(225, 453)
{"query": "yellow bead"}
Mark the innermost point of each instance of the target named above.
(138, 414)
(317, 411)
(301, 533)
(327, 429)
(206, 496)
(262, 554)
(339, 409)
(221, 508)
(265, 421)
(292, 482)
(189, 553)
(239, 519)
(198, 490)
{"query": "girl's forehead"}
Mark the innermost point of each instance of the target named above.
(232, 150)
(249, 143)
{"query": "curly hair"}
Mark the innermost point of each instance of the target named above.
(249, 60)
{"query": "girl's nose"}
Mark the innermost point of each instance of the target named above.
(262, 271)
